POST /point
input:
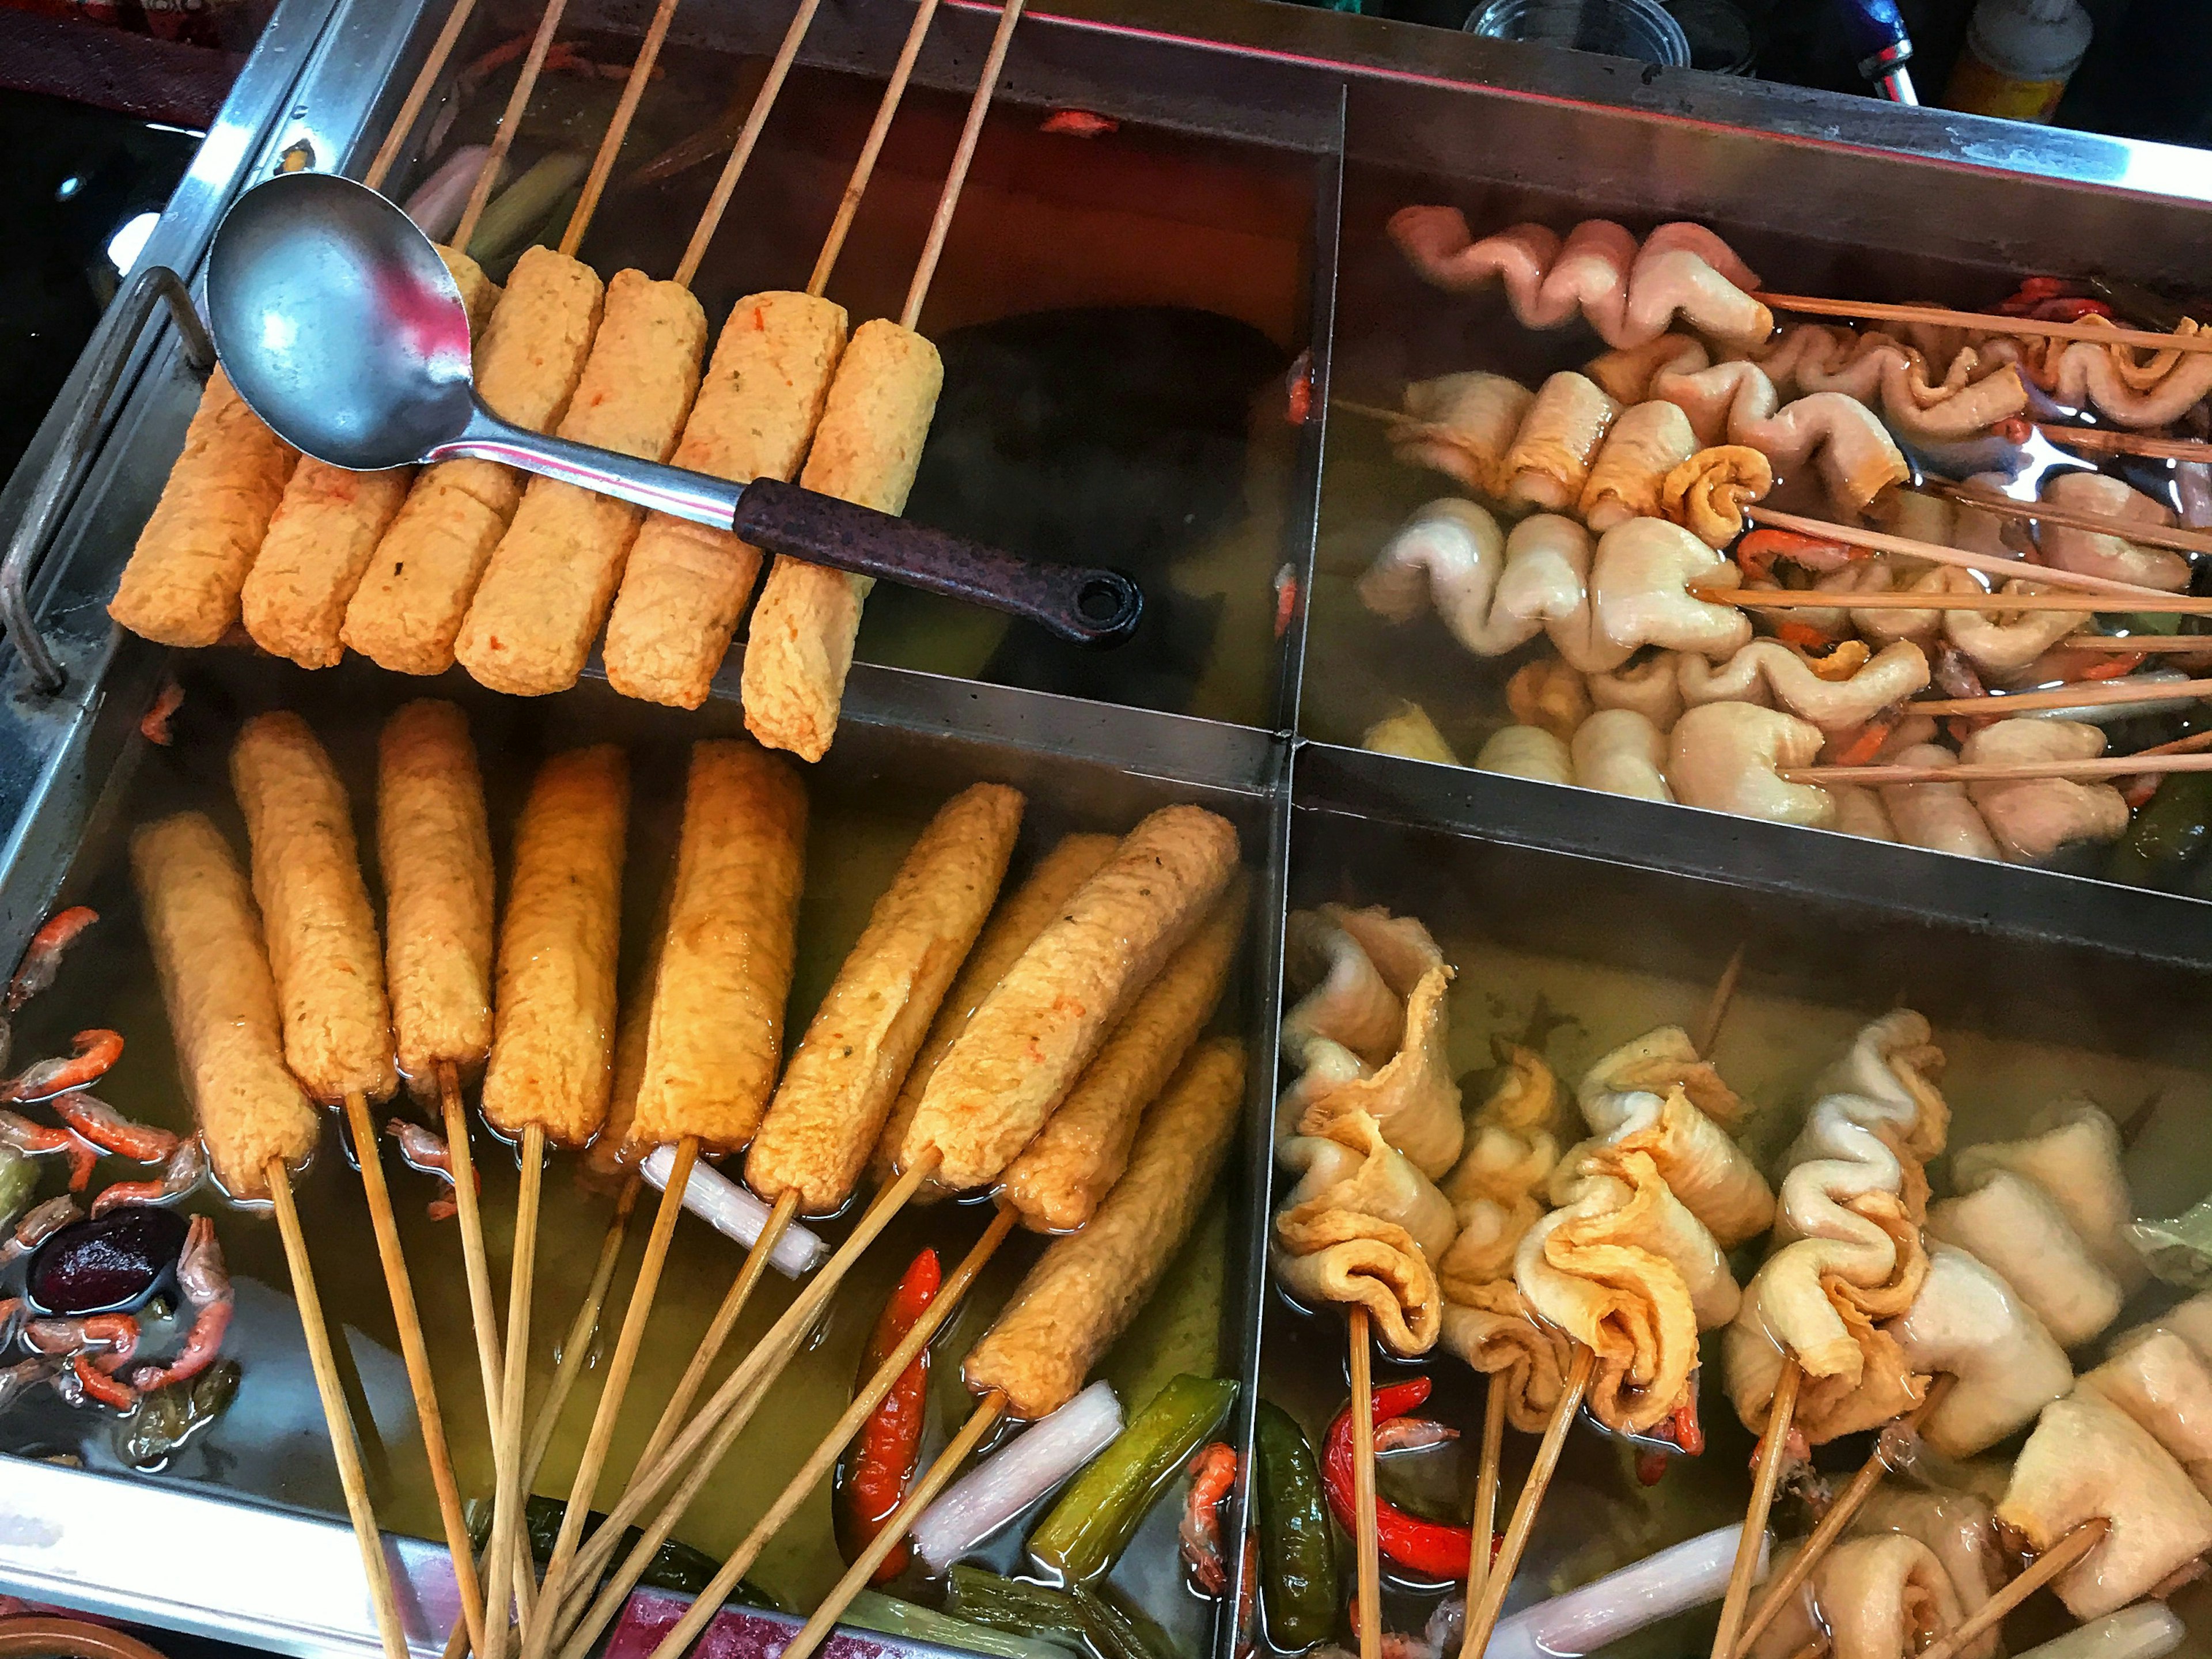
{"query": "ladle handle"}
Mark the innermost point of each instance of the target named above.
(1085, 606)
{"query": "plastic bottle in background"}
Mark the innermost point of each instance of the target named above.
(2017, 58)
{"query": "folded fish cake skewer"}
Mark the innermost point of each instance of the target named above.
(685, 584)
(846, 1070)
(327, 527)
(547, 585)
(1025, 1047)
(221, 1002)
(798, 645)
(408, 610)
(1062, 1176)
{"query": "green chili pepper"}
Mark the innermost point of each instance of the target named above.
(19, 1179)
(887, 1614)
(1297, 1552)
(1109, 1627)
(168, 1418)
(2170, 833)
(675, 1566)
(1102, 1509)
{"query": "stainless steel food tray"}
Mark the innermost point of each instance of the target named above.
(1355, 108)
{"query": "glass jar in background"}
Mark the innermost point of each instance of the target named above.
(1641, 30)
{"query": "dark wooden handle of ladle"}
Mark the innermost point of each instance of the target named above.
(1085, 606)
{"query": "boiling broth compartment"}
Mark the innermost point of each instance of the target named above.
(1562, 960)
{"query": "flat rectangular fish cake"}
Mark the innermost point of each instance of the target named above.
(407, 609)
(799, 648)
(553, 1000)
(221, 1002)
(839, 1086)
(434, 847)
(716, 1035)
(1025, 1047)
(1087, 1288)
(329, 525)
(182, 583)
(686, 584)
(548, 585)
(320, 927)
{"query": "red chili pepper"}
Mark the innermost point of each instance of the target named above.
(1299, 387)
(874, 1474)
(2068, 308)
(1430, 1548)
(2032, 293)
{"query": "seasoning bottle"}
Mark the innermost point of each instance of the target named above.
(2017, 57)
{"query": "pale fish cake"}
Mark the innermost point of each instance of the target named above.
(716, 1034)
(328, 527)
(1087, 1288)
(1013, 928)
(1024, 1047)
(434, 850)
(320, 928)
(182, 583)
(547, 587)
(839, 1087)
(221, 1002)
(799, 648)
(407, 612)
(553, 999)
(1060, 1177)
(686, 584)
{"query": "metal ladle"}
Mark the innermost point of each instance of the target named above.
(341, 327)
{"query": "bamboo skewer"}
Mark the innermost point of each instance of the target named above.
(2044, 1568)
(538, 1633)
(718, 199)
(715, 1427)
(2148, 644)
(956, 177)
(2105, 440)
(415, 1354)
(1983, 322)
(2098, 766)
(441, 50)
(709, 1601)
(476, 1260)
(510, 1559)
(610, 142)
(1848, 1503)
(864, 168)
(1762, 598)
(1482, 1616)
(1716, 1007)
(1365, 1540)
(2145, 535)
(1989, 564)
(980, 1421)
(2075, 697)
(1485, 1518)
(672, 1415)
(1773, 1454)
(344, 1447)
(509, 120)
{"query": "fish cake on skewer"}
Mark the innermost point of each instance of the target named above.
(685, 584)
(546, 589)
(1084, 1289)
(716, 1034)
(554, 994)
(799, 646)
(327, 527)
(408, 610)
(320, 928)
(839, 1087)
(221, 1002)
(182, 583)
(1012, 928)
(1024, 1047)
(434, 847)
(1062, 1176)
